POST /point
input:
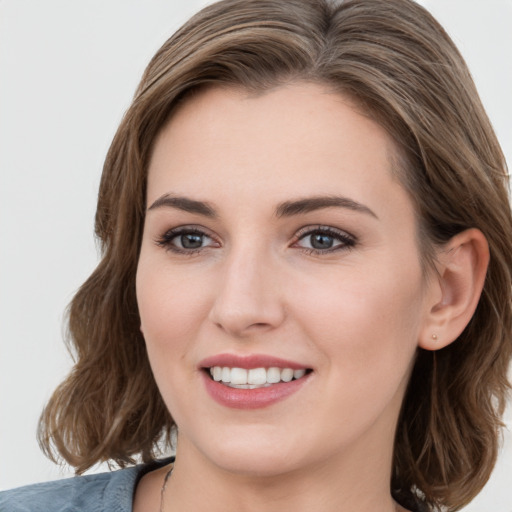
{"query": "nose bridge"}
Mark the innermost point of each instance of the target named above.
(248, 297)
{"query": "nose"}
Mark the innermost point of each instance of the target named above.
(249, 298)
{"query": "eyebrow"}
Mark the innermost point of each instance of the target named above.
(309, 204)
(184, 203)
(285, 209)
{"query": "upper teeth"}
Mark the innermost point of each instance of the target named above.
(255, 376)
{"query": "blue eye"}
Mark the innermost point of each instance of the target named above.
(185, 240)
(189, 240)
(324, 240)
(321, 241)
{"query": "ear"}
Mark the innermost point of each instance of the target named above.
(455, 290)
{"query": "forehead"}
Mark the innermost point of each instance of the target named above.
(290, 141)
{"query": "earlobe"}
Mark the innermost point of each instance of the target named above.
(455, 290)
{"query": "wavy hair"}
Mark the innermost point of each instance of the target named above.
(401, 67)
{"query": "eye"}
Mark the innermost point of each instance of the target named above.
(185, 240)
(323, 239)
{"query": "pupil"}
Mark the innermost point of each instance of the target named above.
(321, 241)
(191, 241)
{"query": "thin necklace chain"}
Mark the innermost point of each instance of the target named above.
(162, 491)
(398, 508)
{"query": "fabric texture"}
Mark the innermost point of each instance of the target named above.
(104, 492)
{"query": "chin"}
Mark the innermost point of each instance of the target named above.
(259, 464)
(252, 453)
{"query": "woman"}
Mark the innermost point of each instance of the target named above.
(327, 176)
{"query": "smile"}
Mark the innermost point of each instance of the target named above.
(254, 378)
(252, 381)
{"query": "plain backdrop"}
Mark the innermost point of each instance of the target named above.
(68, 70)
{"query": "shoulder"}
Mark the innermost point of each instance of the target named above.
(112, 491)
(58, 496)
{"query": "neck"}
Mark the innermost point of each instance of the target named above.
(360, 482)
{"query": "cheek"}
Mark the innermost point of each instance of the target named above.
(170, 309)
(366, 331)
(168, 303)
(366, 324)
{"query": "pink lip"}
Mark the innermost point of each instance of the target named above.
(248, 362)
(250, 398)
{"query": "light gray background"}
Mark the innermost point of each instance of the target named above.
(68, 70)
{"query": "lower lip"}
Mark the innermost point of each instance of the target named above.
(251, 398)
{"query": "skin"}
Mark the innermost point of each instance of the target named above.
(354, 314)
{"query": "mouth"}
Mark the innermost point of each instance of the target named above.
(252, 381)
(254, 378)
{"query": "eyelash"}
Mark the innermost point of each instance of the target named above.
(347, 241)
(167, 238)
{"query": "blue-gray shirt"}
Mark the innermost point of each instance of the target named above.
(104, 492)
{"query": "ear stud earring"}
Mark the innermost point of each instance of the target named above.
(434, 337)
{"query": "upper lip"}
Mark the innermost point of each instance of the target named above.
(249, 361)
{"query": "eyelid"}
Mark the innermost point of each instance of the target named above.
(165, 239)
(348, 241)
(306, 230)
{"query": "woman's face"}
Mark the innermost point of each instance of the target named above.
(278, 238)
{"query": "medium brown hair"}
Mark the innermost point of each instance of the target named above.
(401, 67)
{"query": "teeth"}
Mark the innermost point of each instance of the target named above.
(287, 374)
(239, 376)
(216, 372)
(297, 374)
(255, 377)
(273, 375)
